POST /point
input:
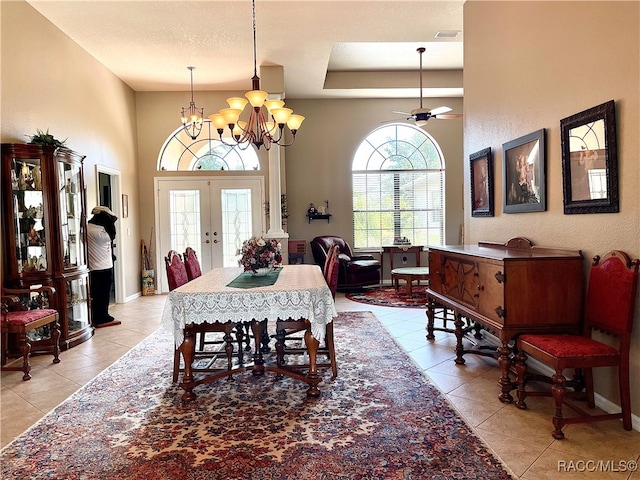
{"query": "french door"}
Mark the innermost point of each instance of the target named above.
(211, 215)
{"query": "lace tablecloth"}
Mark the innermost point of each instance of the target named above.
(300, 292)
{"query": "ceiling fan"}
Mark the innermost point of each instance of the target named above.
(422, 115)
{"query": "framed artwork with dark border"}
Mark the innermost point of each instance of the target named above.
(590, 161)
(523, 174)
(481, 168)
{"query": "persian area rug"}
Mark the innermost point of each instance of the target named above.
(387, 297)
(379, 419)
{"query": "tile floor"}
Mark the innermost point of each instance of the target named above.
(522, 439)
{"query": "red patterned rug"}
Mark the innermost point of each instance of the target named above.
(387, 297)
(380, 419)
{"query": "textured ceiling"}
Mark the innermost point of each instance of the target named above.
(328, 48)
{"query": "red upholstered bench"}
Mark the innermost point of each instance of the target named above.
(18, 320)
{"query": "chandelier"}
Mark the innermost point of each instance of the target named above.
(192, 116)
(260, 129)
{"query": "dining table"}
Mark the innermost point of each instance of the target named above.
(228, 295)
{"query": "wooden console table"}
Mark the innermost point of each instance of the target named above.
(507, 289)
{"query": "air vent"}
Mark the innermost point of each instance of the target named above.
(447, 34)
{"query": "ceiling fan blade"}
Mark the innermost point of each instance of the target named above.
(400, 113)
(439, 110)
(447, 116)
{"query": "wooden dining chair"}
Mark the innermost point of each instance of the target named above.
(177, 276)
(289, 330)
(609, 309)
(192, 264)
(24, 310)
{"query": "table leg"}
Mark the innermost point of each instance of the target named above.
(504, 360)
(187, 349)
(313, 379)
(409, 283)
(258, 329)
(431, 311)
(459, 331)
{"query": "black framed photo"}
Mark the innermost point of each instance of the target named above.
(481, 168)
(523, 171)
(590, 161)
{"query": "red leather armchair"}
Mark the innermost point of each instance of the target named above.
(355, 270)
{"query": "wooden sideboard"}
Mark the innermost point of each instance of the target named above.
(507, 289)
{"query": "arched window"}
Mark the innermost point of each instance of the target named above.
(398, 188)
(181, 153)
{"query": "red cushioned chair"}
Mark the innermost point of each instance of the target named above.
(23, 311)
(191, 264)
(176, 271)
(609, 309)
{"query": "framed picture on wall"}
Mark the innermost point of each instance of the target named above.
(523, 174)
(481, 168)
(590, 161)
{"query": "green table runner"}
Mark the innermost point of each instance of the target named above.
(249, 280)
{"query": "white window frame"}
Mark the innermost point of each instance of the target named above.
(398, 180)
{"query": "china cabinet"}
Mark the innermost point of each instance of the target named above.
(44, 233)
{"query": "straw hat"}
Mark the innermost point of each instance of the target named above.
(101, 208)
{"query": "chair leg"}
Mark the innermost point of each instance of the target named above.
(625, 394)
(558, 390)
(5, 345)
(331, 348)
(521, 371)
(588, 383)
(55, 337)
(25, 349)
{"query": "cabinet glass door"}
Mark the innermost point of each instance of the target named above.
(70, 214)
(77, 292)
(28, 214)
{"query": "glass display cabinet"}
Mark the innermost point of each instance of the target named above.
(44, 233)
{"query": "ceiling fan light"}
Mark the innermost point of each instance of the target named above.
(421, 123)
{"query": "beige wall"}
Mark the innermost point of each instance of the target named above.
(527, 65)
(318, 165)
(49, 82)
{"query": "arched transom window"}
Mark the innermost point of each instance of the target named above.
(398, 188)
(181, 153)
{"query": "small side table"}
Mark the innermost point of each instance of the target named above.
(393, 249)
(297, 249)
(409, 275)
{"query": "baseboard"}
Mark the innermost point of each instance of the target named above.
(132, 297)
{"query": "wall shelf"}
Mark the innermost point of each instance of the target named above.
(319, 216)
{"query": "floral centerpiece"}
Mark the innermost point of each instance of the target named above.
(260, 255)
